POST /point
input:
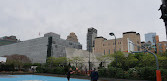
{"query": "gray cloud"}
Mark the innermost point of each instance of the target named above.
(26, 18)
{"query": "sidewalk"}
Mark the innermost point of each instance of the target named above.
(101, 79)
(87, 77)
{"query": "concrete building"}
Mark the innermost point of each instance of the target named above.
(37, 49)
(72, 37)
(8, 40)
(91, 35)
(71, 52)
(150, 37)
(104, 46)
(162, 47)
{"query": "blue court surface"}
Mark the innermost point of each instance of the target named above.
(35, 78)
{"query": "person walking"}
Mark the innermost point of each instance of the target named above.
(94, 75)
(69, 74)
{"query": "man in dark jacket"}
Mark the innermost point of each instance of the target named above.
(69, 74)
(94, 75)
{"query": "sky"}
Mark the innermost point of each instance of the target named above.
(27, 18)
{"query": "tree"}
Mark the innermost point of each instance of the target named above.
(105, 58)
(77, 60)
(120, 61)
(130, 61)
(17, 60)
(162, 61)
(50, 61)
(147, 60)
(59, 61)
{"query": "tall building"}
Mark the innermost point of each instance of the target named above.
(72, 37)
(150, 37)
(153, 47)
(104, 46)
(91, 35)
(8, 40)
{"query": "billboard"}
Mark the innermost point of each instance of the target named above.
(130, 46)
(3, 59)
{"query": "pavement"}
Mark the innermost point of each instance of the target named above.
(87, 77)
(121, 80)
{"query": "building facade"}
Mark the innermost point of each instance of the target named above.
(104, 46)
(6, 40)
(72, 37)
(91, 35)
(150, 37)
(154, 45)
(37, 49)
(162, 46)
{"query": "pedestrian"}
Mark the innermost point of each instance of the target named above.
(94, 75)
(69, 74)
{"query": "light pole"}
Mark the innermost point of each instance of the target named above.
(89, 58)
(112, 34)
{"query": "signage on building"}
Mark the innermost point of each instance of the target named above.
(3, 59)
(130, 46)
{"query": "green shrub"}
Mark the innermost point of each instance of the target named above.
(146, 73)
(111, 71)
(40, 69)
(131, 74)
(59, 70)
(164, 74)
(103, 72)
(119, 73)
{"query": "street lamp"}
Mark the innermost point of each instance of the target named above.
(112, 34)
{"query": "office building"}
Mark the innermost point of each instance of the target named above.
(150, 37)
(91, 35)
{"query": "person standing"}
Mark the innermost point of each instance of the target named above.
(94, 75)
(69, 74)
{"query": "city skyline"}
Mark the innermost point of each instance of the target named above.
(26, 19)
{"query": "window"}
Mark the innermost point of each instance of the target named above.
(53, 42)
(93, 43)
(138, 48)
(55, 46)
(137, 42)
(70, 43)
(104, 52)
(109, 51)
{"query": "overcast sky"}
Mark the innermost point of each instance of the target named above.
(26, 18)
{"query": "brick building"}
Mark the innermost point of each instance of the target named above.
(162, 47)
(104, 46)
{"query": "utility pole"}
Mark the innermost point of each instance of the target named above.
(89, 57)
(163, 9)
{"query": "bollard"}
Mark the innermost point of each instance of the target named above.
(158, 75)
